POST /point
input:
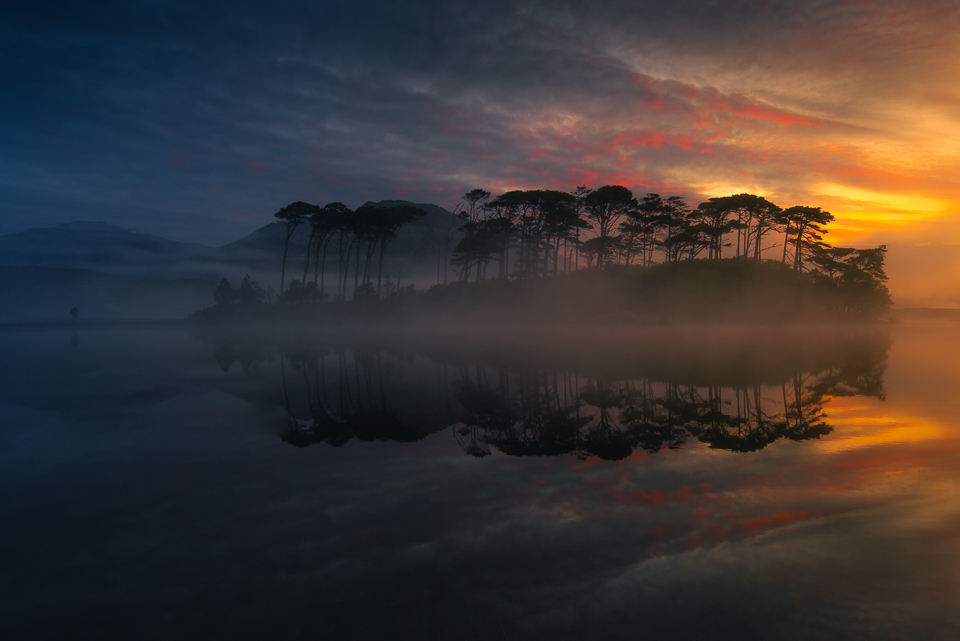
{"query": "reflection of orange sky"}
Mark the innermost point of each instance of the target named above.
(876, 454)
(859, 424)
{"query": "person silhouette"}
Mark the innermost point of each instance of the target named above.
(75, 313)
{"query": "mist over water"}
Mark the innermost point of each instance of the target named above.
(575, 482)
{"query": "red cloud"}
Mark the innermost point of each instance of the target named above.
(768, 522)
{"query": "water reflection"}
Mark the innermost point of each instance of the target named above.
(732, 393)
(151, 493)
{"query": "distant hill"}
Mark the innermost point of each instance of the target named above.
(102, 247)
(417, 247)
(110, 241)
(114, 250)
(42, 270)
(927, 314)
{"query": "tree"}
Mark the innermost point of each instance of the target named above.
(249, 292)
(477, 247)
(830, 260)
(807, 225)
(501, 215)
(755, 217)
(562, 224)
(224, 294)
(862, 282)
(870, 262)
(579, 207)
(443, 248)
(600, 246)
(292, 216)
(674, 213)
(766, 217)
(475, 200)
(365, 226)
(324, 224)
(715, 214)
(386, 222)
(389, 287)
(639, 231)
(605, 207)
(546, 215)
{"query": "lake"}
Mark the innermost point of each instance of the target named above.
(459, 483)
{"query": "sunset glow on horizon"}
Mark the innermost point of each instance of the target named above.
(198, 124)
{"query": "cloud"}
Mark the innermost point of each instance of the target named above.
(192, 120)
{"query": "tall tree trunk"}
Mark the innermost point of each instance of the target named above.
(504, 259)
(798, 250)
(340, 267)
(283, 265)
(356, 271)
(380, 266)
(786, 410)
(306, 261)
(739, 233)
(323, 268)
(522, 243)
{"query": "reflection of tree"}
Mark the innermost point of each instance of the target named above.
(335, 395)
(350, 403)
(520, 415)
(523, 414)
(651, 421)
(749, 425)
(249, 353)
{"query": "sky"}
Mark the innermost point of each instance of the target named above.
(197, 121)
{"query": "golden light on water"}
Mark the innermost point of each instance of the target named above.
(858, 425)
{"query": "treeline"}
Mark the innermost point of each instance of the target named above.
(534, 233)
(529, 234)
(365, 232)
(358, 237)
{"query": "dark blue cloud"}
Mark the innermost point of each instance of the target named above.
(198, 120)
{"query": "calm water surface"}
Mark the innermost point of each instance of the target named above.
(574, 484)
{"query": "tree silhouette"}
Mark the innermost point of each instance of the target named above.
(478, 246)
(605, 207)
(766, 217)
(537, 233)
(292, 216)
(249, 292)
(224, 294)
(325, 223)
(387, 220)
(715, 214)
(807, 226)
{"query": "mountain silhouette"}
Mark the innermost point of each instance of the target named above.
(101, 247)
(111, 249)
(106, 268)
